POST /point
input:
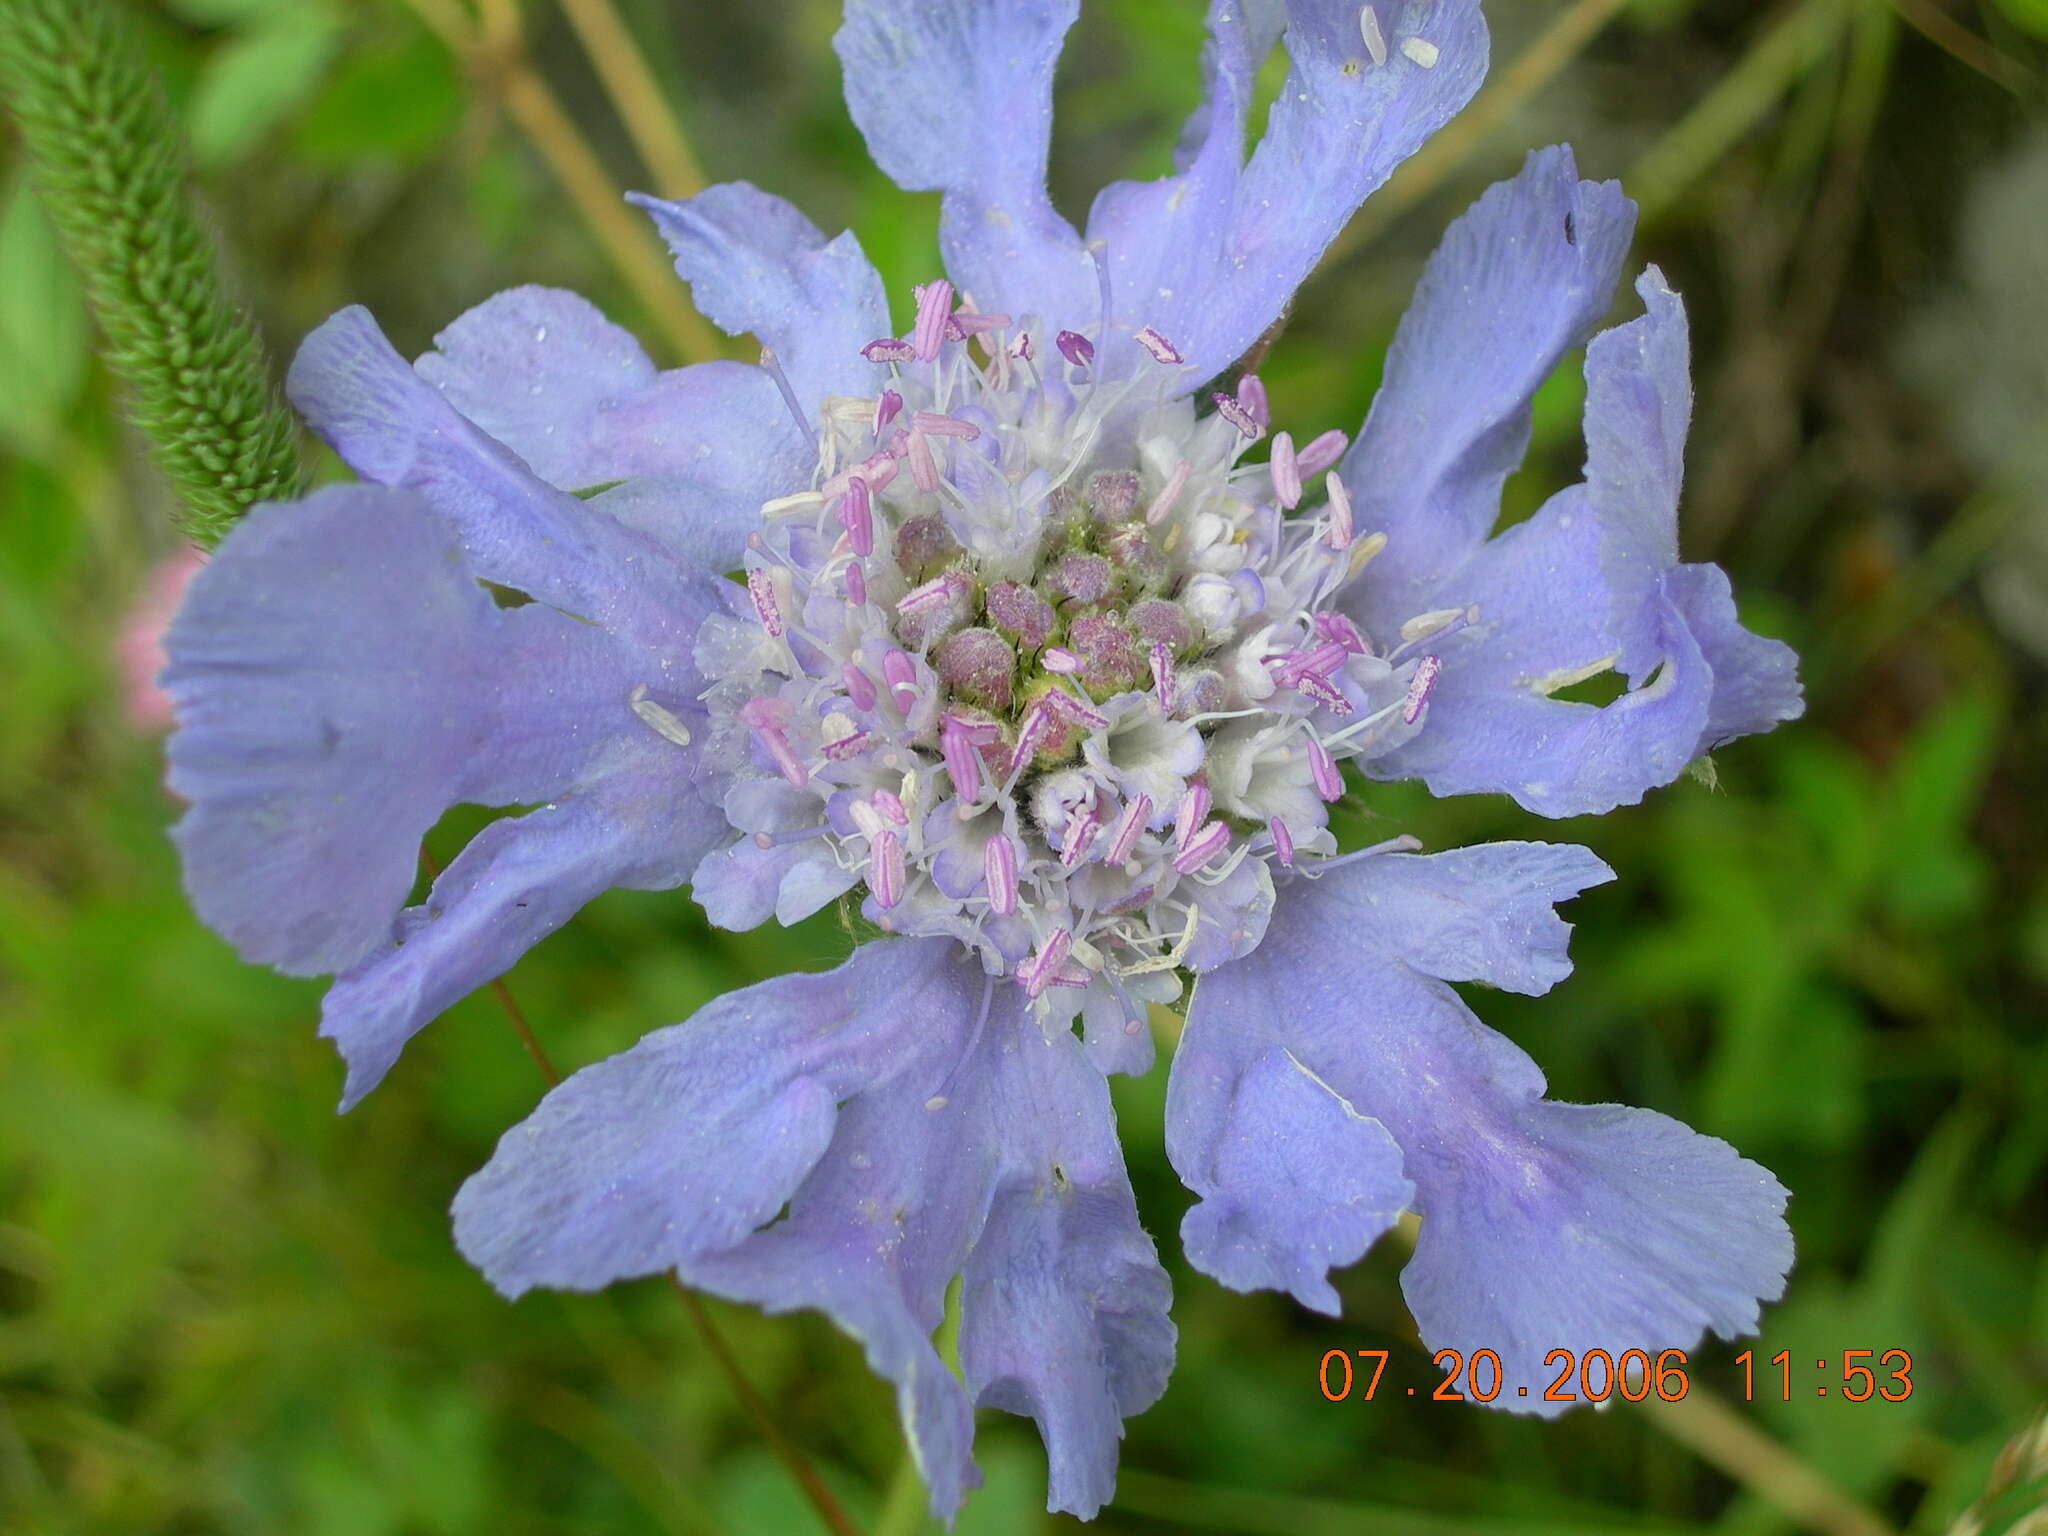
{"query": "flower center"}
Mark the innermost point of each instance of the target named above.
(1054, 672)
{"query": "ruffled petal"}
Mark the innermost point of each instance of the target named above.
(1293, 1180)
(1064, 1306)
(641, 826)
(543, 372)
(1211, 257)
(1519, 280)
(340, 679)
(394, 428)
(1544, 1226)
(1591, 584)
(756, 265)
(906, 1113)
(955, 96)
(682, 1146)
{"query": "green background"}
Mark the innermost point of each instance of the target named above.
(224, 1309)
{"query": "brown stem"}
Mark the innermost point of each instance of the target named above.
(822, 1499)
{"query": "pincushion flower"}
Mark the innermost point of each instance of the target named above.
(1051, 650)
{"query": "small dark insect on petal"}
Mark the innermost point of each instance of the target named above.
(1571, 229)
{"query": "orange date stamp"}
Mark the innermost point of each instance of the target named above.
(1635, 1375)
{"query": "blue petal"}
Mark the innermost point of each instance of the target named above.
(682, 1146)
(1544, 1226)
(1064, 1307)
(543, 372)
(642, 826)
(1518, 282)
(1590, 583)
(1212, 256)
(340, 680)
(1293, 1180)
(914, 1123)
(394, 428)
(955, 96)
(756, 265)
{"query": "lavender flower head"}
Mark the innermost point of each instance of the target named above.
(1051, 649)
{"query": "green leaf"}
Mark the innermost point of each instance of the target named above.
(2027, 15)
(256, 78)
(394, 101)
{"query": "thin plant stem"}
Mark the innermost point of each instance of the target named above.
(656, 130)
(495, 53)
(1736, 104)
(822, 1500)
(1713, 1431)
(1424, 171)
(1963, 45)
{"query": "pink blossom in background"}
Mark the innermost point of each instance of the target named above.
(139, 648)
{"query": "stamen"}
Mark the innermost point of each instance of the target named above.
(1169, 493)
(859, 686)
(1059, 660)
(999, 870)
(936, 425)
(1251, 394)
(1162, 350)
(1036, 974)
(856, 584)
(891, 807)
(1020, 346)
(1335, 626)
(1286, 470)
(1322, 451)
(1036, 719)
(1315, 686)
(1375, 39)
(1194, 805)
(972, 322)
(1081, 830)
(1283, 842)
(1321, 658)
(934, 301)
(847, 747)
(1064, 703)
(1340, 512)
(1422, 51)
(761, 588)
(657, 719)
(796, 410)
(1123, 836)
(963, 763)
(885, 869)
(924, 470)
(800, 501)
(1426, 626)
(768, 717)
(1075, 348)
(901, 677)
(1419, 687)
(924, 599)
(1163, 681)
(886, 408)
(1322, 768)
(856, 516)
(1234, 412)
(1202, 847)
(887, 349)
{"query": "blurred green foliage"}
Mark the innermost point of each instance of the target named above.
(222, 1309)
